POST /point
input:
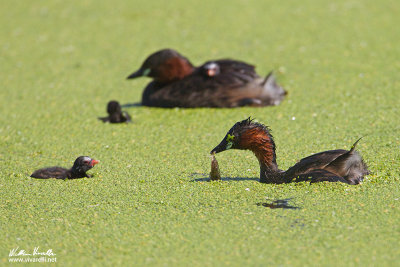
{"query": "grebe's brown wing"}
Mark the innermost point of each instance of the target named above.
(320, 175)
(314, 162)
(52, 172)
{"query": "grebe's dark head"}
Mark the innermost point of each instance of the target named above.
(84, 163)
(166, 65)
(246, 134)
(113, 107)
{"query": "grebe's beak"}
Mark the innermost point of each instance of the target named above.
(221, 147)
(136, 74)
(94, 162)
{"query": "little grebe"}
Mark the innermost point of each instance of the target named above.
(338, 165)
(115, 114)
(218, 83)
(81, 165)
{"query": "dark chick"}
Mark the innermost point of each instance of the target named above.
(218, 83)
(338, 165)
(78, 170)
(115, 114)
